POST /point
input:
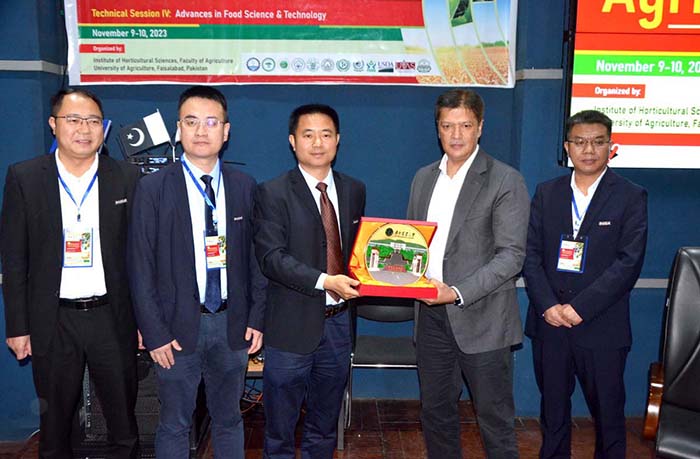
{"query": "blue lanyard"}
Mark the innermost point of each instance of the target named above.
(579, 218)
(204, 193)
(573, 201)
(70, 195)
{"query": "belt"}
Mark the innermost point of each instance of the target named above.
(83, 304)
(203, 309)
(335, 309)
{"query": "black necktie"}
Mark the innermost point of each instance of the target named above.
(212, 292)
(334, 255)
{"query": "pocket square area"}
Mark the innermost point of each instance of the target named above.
(604, 223)
(120, 201)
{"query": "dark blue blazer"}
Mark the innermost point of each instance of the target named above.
(616, 226)
(291, 246)
(162, 266)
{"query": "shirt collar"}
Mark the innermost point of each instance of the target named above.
(312, 181)
(591, 189)
(63, 172)
(197, 172)
(462, 172)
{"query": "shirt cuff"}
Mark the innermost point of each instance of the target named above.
(460, 301)
(320, 281)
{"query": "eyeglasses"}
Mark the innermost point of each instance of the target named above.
(75, 120)
(580, 143)
(193, 122)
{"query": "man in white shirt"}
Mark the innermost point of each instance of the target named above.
(63, 237)
(585, 248)
(305, 224)
(481, 208)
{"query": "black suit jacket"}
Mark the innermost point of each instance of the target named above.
(32, 241)
(291, 247)
(162, 264)
(616, 227)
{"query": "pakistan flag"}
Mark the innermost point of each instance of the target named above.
(461, 11)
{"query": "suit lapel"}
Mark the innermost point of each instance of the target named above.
(426, 192)
(107, 190)
(51, 193)
(561, 201)
(232, 210)
(301, 190)
(602, 193)
(178, 191)
(473, 183)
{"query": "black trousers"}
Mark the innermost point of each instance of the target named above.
(489, 377)
(86, 337)
(600, 372)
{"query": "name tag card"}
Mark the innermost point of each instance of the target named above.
(572, 254)
(77, 247)
(215, 247)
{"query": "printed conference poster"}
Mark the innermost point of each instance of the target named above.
(641, 66)
(398, 42)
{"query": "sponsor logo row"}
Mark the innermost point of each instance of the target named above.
(313, 64)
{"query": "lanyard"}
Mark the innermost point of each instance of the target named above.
(70, 195)
(579, 218)
(203, 193)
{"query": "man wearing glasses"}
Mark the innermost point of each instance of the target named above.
(198, 293)
(585, 248)
(63, 238)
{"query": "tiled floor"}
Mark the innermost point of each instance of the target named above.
(390, 429)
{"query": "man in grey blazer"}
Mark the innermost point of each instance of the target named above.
(481, 207)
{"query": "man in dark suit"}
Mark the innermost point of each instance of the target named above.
(585, 249)
(198, 293)
(307, 325)
(63, 236)
(481, 208)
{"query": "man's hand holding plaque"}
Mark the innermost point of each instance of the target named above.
(343, 285)
(445, 294)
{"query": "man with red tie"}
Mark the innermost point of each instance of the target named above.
(305, 224)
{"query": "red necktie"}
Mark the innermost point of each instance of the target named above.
(334, 255)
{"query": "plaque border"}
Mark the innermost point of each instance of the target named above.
(357, 267)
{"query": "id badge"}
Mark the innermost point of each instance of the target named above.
(572, 254)
(77, 247)
(215, 248)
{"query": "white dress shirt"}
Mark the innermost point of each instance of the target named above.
(311, 182)
(582, 201)
(197, 203)
(82, 282)
(440, 210)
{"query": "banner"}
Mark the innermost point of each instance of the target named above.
(641, 66)
(400, 42)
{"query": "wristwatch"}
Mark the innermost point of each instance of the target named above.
(458, 300)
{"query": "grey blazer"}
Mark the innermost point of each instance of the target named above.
(485, 250)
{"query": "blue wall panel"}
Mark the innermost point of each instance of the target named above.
(19, 415)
